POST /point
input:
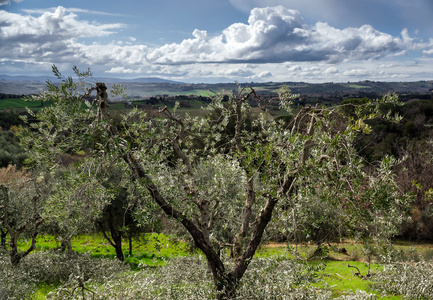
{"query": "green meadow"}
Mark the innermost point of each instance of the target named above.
(339, 273)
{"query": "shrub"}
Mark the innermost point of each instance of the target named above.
(358, 295)
(57, 267)
(48, 267)
(14, 283)
(413, 281)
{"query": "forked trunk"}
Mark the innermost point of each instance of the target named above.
(115, 241)
(15, 257)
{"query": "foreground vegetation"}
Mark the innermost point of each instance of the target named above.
(221, 183)
(165, 268)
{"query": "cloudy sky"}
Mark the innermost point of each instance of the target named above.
(221, 40)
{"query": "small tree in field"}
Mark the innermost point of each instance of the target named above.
(116, 221)
(75, 202)
(211, 172)
(20, 208)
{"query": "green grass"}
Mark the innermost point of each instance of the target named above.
(151, 249)
(357, 86)
(195, 92)
(42, 291)
(342, 278)
(19, 103)
(43, 242)
(337, 274)
(203, 93)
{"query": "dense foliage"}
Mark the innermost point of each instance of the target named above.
(411, 280)
(227, 179)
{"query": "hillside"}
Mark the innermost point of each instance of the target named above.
(151, 87)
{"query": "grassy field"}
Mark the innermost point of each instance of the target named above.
(156, 250)
(18, 103)
(191, 107)
(336, 271)
(150, 249)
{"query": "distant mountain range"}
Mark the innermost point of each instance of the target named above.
(96, 79)
(26, 85)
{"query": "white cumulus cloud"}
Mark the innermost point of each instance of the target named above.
(331, 70)
(52, 36)
(278, 34)
(120, 70)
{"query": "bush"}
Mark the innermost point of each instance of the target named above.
(57, 267)
(48, 267)
(413, 281)
(358, 295)
(14, 283)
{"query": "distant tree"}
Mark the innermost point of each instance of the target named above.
(117, 219)
(20, 210)
(74, 203)
(11, 153)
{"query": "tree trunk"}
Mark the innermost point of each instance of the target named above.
(15, 258)
(3, 235)
(116, 234)
(241, 264)
(226, 287)
(116, 241)
(66, 246)
(118, 247)
(246, 217)
(15, 255)
(13, 252)
(130, 245)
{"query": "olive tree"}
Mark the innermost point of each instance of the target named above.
(203, 174)
(20, 210)
(76, 201)
(117, 219)
(337, 193)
